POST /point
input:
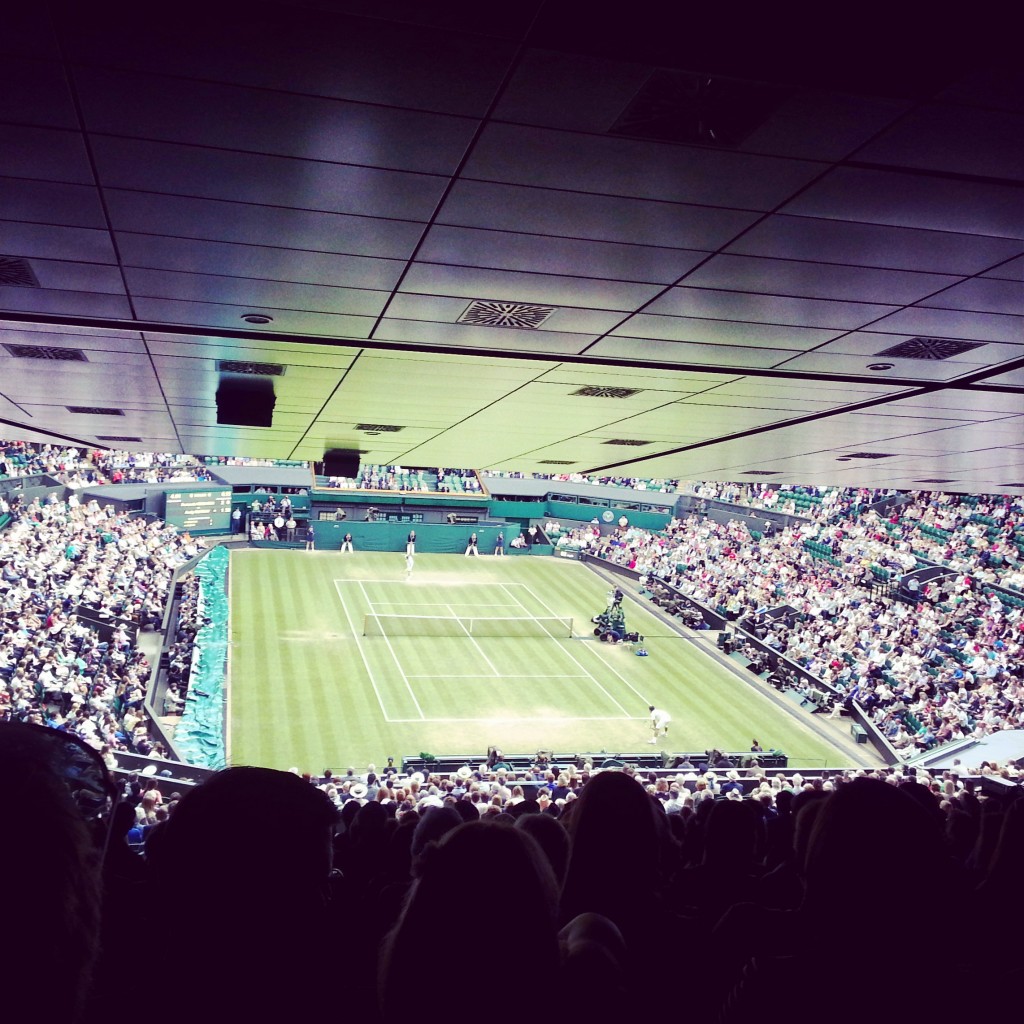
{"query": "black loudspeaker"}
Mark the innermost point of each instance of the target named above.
(341, 462)
(245, 403)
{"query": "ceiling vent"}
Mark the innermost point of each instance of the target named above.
(93, 410)
(930, 348)
(379, 428)
(16, 271)
(118, 440)
(522, 316)
(557, 462)
(628, 441)
(684, 106)
(250, 369)
(67, 355)
(870, 455)
(595, 391)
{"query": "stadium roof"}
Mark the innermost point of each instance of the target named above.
(520, 235)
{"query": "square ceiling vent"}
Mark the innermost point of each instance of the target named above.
(689, 107)
(595, 391)
(930, 348)
(522, 316)
(18, 272)
(250, 369)
(66, 355)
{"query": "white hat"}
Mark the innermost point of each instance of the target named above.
(357, 790)
(464, 772)
(416, 777)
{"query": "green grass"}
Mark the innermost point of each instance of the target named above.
(307, 689)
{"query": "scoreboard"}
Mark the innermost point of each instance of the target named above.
(203, 511)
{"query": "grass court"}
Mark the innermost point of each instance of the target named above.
(308, 689)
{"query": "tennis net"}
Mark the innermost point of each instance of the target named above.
(472, 626)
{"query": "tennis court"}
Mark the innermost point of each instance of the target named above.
(340, 659)
(505, 633)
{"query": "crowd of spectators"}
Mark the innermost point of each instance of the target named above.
(635, 483)
(807, 501)
(120, 467)
(77, 584)
(581, 885)
(928, 669)
(181, 653)
(77, 468)
(397, 478)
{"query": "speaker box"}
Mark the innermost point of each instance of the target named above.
(340, 462)
(245, 403)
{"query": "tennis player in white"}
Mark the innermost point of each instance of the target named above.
(659, 723)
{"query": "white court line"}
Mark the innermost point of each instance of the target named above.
(508, 721)
(490, 663)
(362, 654)
(475, 676)
(590, 648)
(398, 664)
(596, 682)
(395, 583)
(437, 604)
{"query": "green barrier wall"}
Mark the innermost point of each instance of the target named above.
(653, 521)
(430, 537)
(199, 737)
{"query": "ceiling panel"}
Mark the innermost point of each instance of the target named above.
(50, 241)
(44, 153)
(212, 315)
(722, 332)
(485, 339)
(873, 245)
(769, 309)
(546, 254)
(982, 294)
(71, 303)
(816, 280)
(276, 181)
(953, 138)
(951, 323)
(334, 165)
(252, 261)
(512, 286)
(244, 291)
(924, 371)
(35, 91)
(687, 353)
(431, 68)
(446, 311)
(47, 202)
(261, 121)
(919, 201)
(577, 214)
(647, 170)
(232, 221)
